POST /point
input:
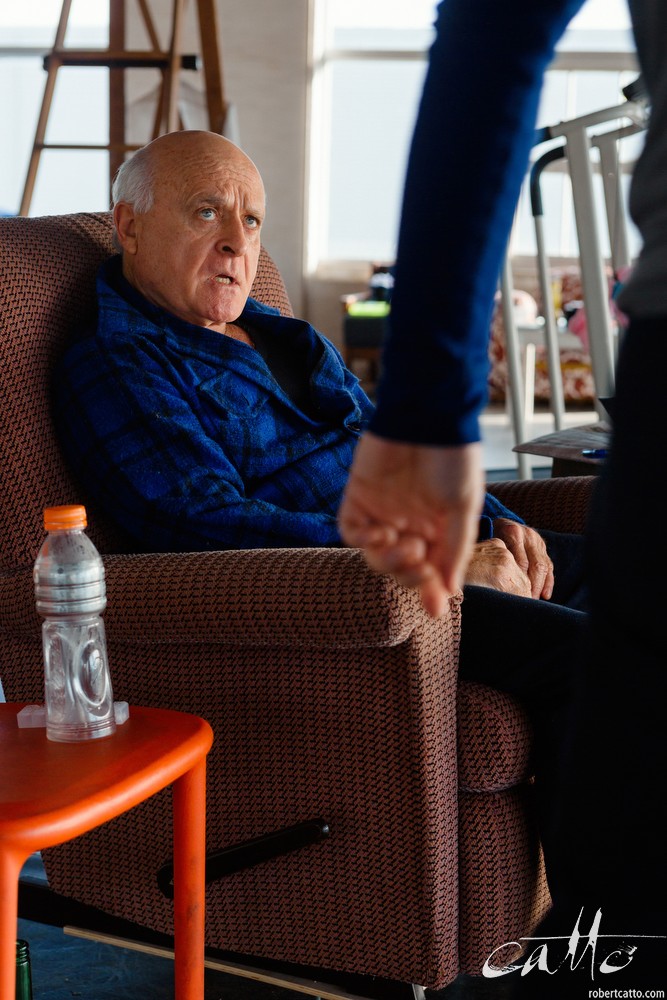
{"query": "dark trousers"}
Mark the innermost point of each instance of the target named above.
(615, 802)
(609, 817)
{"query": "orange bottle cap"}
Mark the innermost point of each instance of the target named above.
(62, 518)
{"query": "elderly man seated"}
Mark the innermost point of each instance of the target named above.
(200, 419)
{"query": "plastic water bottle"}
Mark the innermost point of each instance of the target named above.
(71, 595)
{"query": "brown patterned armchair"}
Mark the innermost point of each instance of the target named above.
(331, 694)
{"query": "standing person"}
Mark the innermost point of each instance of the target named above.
(199, 418)
(416, 483)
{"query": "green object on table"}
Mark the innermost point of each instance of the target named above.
(23, 972)
(369, 307)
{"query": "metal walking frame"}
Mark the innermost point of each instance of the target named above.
(579, 141)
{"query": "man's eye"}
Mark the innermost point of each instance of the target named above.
(207, 213)
(252, 221)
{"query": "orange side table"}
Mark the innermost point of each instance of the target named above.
(52, 792)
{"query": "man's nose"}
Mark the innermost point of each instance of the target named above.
(233, 237)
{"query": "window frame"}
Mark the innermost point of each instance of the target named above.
(567, 60)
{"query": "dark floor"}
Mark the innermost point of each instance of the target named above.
(65, 967)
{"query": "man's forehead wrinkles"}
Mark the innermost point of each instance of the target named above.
(226, 187)
(224, 196)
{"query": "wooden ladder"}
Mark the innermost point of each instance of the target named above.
(116, 58)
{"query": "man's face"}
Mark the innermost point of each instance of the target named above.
(195, 252)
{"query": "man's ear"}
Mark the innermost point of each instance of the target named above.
(126, 228)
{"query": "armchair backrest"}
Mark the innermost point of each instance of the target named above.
(47, 290)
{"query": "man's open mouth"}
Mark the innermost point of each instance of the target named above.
(223, 279)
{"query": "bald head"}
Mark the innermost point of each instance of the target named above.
(135, 179)
(188, 210)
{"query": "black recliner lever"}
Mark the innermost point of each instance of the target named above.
(253, 852)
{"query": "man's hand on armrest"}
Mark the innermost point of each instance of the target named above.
(529, 551)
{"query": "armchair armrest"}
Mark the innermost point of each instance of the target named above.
(559, 504)
(320, 598)
(324, 598)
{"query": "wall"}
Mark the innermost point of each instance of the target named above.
(265, 66)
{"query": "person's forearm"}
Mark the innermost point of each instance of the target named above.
(469, 154)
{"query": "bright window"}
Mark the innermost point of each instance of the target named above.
(596, 61)
(78, 112)
(368, 68)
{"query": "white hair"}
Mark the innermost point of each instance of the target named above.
(134, 182)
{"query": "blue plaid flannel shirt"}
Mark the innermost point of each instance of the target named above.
(187, 441)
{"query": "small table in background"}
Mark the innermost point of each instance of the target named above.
(52, 792)
(565, 449)
(364, 329)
